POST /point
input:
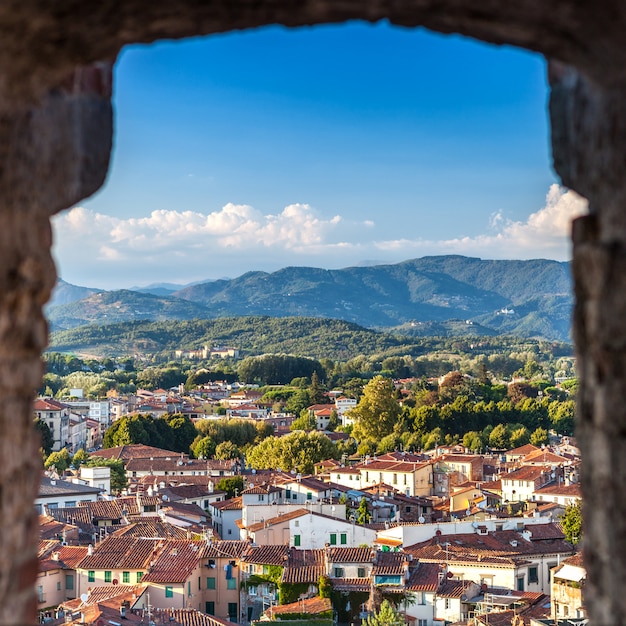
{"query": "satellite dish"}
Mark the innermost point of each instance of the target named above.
(421, 519)
(468, 512)
(84, 597)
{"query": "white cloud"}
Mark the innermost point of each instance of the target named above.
(186, 245)
(544, 234)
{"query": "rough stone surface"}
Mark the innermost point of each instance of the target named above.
(55, 138)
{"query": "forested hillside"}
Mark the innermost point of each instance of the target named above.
(431, 295)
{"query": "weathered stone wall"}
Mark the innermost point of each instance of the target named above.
(55, 139)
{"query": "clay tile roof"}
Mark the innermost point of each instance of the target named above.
(453, 588)
(523, 450)
(351, 555)
(175, 563)
(267, 555)
(234, 504)
(279, 519)
(389, 563)
(304, 566)
(264, 489)
(424, 578)
(121, 553)
(187, 617)
(352, 584)
(131, 451)
(103, 593)
(310, 606)
(230, 549)
(48, 404)
(153, 528)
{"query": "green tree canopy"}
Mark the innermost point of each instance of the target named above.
(572, 522)
(387, 615)
(298, 450)
(47, 440)
(377, 412)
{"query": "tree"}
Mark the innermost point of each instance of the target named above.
(519, 437)
(80, 458)
(539, 437)
(387, 615)
(499, 437)
(226, 451)
(47, 440)
(232, 485)
(377, 412)
(59, 460)
(203, 447)
(572, 522)
(298, 450)
(363, 516)
(183, 432)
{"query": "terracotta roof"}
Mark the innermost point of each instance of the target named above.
(502, 548)
(528, 472)
(522, 450)
(153, 528)
(121, 553)
(234, 504)
(225, 549)
(424, 578)
(173, 464)
(544, 456)
(453, 588)
(389, 563)
(352, 584)
(304, 566)
(310, 606)
(267, 555)
(572, 491)
(262, 489)
(187, 617)
(351, 555)
(279, 519)
(48, 404)
(134, 451)
(175, 563)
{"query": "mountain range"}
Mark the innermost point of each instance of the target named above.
(421, 296)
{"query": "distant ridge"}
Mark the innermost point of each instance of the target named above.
(528, 298)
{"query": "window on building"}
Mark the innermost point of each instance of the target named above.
(139, 577)
(210, 608)
(296, 541)
(231, 583)
(420, 597)
(169, 591)
(70, 504)
(343, 539)
(59, 585)
(447, 604)
(533, 575)
(108, 576)
(126, 577)
(309, 495)
(520, 583)
(297, 523)
(360, 572)
(333, 539)
(210, 582)
(339, 572)
(69, 581)
(232, 611)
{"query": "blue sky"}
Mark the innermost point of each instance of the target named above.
(326, 146)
